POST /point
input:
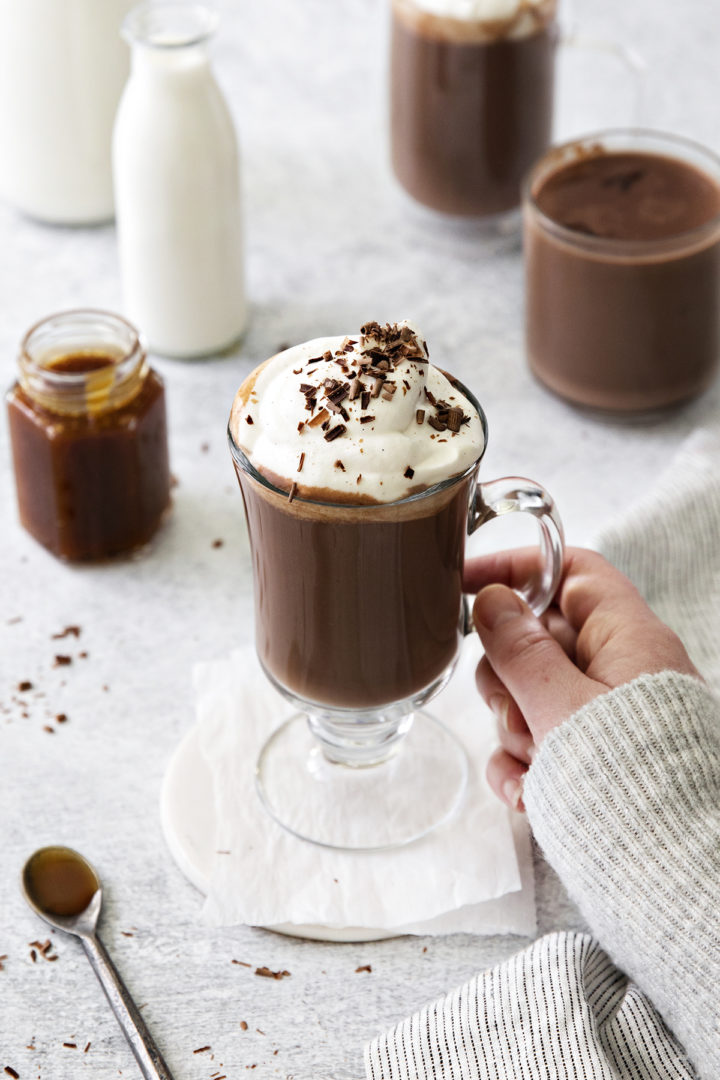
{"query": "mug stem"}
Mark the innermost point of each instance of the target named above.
(365, 740)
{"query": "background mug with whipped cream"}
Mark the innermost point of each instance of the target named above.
(358, 463)
(472, 91)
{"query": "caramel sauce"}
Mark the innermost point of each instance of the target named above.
(81, 363)
(60, 882)
(95, 484)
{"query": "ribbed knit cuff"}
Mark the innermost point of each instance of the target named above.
(624, 799)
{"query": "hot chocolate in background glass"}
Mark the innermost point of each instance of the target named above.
(357, 460)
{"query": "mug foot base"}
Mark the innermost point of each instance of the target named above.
(374, 808)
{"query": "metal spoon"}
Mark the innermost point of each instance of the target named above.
(76, 912)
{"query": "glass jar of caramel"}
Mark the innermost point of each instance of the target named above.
(89, 436)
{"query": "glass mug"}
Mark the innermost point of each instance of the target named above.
(613, 324)
(472, 96)
(359, 617)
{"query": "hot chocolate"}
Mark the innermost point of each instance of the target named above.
(622, 239)
(357, 584)
(471, 99)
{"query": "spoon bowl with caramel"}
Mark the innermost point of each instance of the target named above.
(64, 889)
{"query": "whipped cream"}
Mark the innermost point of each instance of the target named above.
(357, 419)
(477, 10)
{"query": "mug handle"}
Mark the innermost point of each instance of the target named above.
(516, 494)
(626, 55)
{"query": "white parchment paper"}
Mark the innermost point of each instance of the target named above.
(472, 874)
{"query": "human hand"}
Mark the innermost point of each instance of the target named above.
(598, 634)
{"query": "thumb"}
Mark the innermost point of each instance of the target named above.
(539, 676)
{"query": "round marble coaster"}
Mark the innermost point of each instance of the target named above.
(187, 812)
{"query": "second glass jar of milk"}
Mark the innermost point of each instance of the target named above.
(177, 187)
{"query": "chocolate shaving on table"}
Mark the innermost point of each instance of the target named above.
(335, 432)
(268, 974)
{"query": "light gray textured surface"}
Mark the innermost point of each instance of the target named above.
(330, 244)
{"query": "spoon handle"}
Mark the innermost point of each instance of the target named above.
(142, 1044)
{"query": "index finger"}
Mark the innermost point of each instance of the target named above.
(588, 581)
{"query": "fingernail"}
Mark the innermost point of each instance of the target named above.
(500, 706)
(495, 604)
(512, 792)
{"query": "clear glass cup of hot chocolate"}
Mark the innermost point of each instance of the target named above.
(472, 92)
(622, 263)
(358, 465)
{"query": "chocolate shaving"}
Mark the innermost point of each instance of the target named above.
(366, 419)
(363, 967)
(377, 387)
(11, 1072)
(75, 631)
(301, 425)
(243, 1025)
(454, 418)
(301, 461)
(420, 416)
(339, 465)
(62, 661)
(355, 387)
(319, 418)
(202, 1049)
(307, 388)
(365, 400)
(268, 974)
(430, 396)
(409, 473)
(434, 422)
(292, 492)
(24, 686)
(249, 419)
(335, 432)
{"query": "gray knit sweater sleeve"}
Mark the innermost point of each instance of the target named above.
(624, 799)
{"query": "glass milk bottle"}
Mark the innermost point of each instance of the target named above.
(63, 65)
(177, 187)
